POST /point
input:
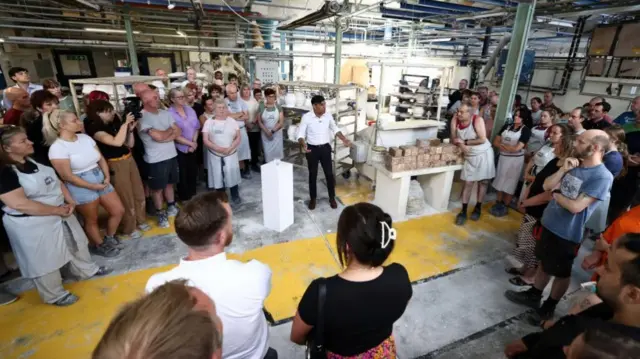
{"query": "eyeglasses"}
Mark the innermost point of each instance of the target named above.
(179, 97)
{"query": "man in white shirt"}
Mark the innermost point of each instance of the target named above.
(238, 289)
(316, 130)
(575, 121)
(21, 77)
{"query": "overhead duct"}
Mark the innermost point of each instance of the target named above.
(329, 9)
(494, 56)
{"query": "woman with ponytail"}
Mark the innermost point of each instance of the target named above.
(362, 303)
(79, 163)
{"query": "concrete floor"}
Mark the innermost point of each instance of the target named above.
(457, 311)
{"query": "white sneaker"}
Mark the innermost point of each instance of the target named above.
(133, 235)
(144, 227)
(172, 210)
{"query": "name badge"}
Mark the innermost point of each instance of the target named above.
(48, 180)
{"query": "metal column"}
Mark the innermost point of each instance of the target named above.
(283, 47)
(521, 26)
(337, 54)
(412, 42)
(133, 56)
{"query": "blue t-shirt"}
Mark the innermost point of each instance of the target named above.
(595, 182)
(614, 162)
(625, 117)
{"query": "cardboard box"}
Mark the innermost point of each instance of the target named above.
(395, 152)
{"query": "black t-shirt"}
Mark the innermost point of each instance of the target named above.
(34, 134)
(9, 178)
(198, 108)
(549, 343)
(112, 128)
(358, 316)
(536, 187)
(525, 132)
(600, 125)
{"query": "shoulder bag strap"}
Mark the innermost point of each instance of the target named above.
(322, 296)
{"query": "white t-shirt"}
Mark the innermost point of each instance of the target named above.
(238, 290)
(82, 153)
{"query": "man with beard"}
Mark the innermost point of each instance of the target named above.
(619, 313)
(577, 189)
(238, 289)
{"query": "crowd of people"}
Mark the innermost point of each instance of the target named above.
(571, 174)
(67, 169)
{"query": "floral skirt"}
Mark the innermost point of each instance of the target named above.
(384, 350)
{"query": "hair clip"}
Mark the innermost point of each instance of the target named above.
(392, 234)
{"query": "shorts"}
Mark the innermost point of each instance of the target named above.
(84, 195)
(556, 254)
(163, 173)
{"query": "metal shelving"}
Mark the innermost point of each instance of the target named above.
(342, 164)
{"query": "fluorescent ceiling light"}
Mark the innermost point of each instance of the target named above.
(483, 15)
(181, 33)
(1, 39)
(170, 5)
(555, 22)
(442, 39)
(112, 31)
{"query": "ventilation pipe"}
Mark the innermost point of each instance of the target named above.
(494, 57)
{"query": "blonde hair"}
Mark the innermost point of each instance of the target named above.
(162, 324)
(51, 124)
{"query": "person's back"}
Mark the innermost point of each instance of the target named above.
(238, 289)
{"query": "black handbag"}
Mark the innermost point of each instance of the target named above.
(315, 342)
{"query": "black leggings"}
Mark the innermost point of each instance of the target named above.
(188, 175)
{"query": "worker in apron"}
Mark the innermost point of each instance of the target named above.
(270, 118)
(46, 237)
(511, 142)
(221, 136)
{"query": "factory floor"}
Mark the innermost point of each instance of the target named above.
(457, 311)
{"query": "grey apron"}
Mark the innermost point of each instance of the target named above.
(223, 170)
(273, 148)
(38, 242)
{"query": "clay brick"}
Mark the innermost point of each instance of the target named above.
(435, 142)
(395, 152)
(389, 160)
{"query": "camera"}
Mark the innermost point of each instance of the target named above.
(133, 105)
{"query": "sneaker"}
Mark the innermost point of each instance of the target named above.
(111, 241)
(163, 220)
(104, 250)
(496, 209)
(103, 270)
(245, 174)
(461, 218)
(144, 227)
(236, 200)
(475, 215)
(66, 301)
(524, 298)
(172, 210)
(133, 235)
(7, 298)
(504, 210)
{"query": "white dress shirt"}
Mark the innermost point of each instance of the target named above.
(238, 290)
(316, 130)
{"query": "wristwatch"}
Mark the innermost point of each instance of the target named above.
(465, 142)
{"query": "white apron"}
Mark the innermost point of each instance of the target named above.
(510, 165)
(222, 134)
(38, 242)
(244, 150)
(537, 139)
(205, 150)
(273, 148)
(479, 162)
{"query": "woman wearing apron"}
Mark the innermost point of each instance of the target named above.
(239, 111)
(537, 144)
(271, 120)
(511, 142)
(615, 160)
(44, 233)
(468, 133)
(209, 113)
(522, 260)
(221, 136)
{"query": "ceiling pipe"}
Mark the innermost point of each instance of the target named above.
(96, 7)
(449, 6)
(494, 56)
(426, 10)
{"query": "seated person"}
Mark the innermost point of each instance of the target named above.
(619, 289)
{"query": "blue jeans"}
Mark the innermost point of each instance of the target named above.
(84, 195)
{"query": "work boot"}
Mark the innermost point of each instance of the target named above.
(312, 204)
(524, 298)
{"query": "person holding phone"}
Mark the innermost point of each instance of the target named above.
(79, 163)
(44, 234)
(115, 139)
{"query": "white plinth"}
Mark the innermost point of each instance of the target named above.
(277, 195)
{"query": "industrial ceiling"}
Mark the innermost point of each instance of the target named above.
(427, 25)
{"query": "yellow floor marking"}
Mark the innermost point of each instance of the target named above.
(424, 246)
(353, 191)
